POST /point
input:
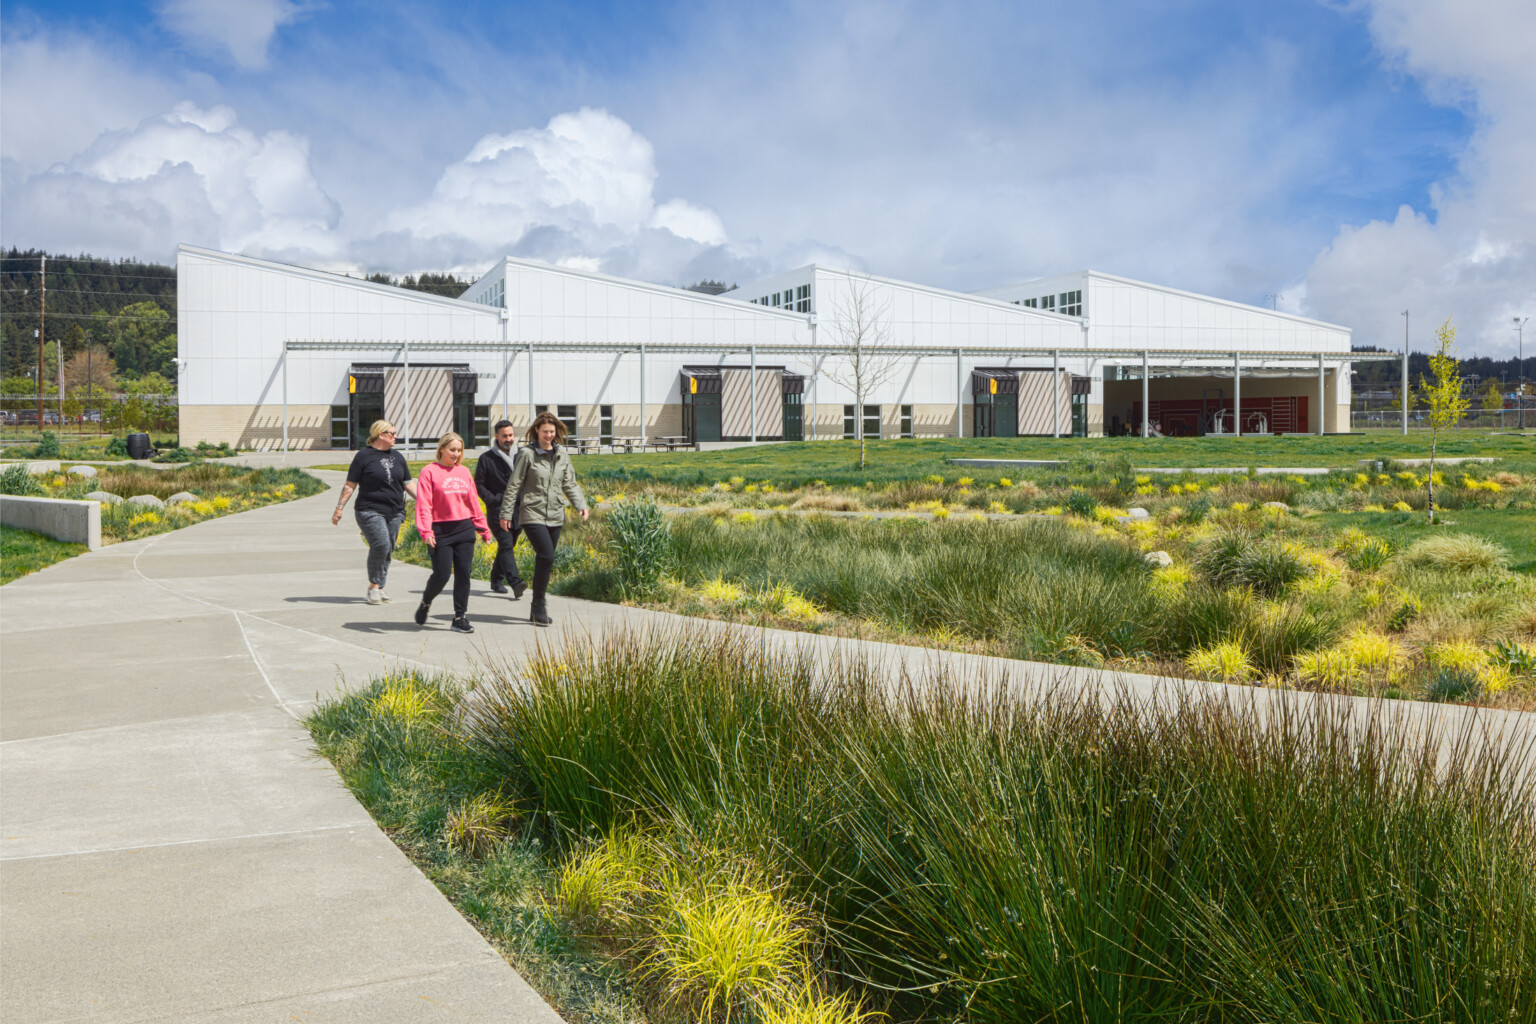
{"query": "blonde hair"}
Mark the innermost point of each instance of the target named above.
(446, 440)
(378, 427)
(542, 418)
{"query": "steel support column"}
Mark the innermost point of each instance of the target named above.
(1055, 394)
(1146, 406)
(1237, 394)
(642, 397)
(530, 385)
(405, 352)
(285, 397)
(959, 393)
(754, 394)
(1322, 413)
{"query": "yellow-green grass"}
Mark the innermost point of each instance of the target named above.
(218, 490)
(23, 552)
(956, 855)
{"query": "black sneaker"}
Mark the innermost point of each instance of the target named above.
(461, 625)
(518, 586)
(421, 613)
(498, 587)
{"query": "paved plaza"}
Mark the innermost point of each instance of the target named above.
(173, 850)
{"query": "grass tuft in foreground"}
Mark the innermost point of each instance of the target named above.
(955, 852)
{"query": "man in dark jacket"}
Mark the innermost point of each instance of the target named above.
(491, 474)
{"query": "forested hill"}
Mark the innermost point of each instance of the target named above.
(125, 308)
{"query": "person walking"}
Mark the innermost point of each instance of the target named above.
(448, 516)
(543, 482)
(491, 475)
(382, 479)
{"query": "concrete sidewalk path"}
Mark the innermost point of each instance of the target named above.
(173, 851)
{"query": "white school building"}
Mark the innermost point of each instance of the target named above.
(273, 354)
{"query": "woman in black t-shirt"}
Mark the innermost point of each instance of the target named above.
(382, 479)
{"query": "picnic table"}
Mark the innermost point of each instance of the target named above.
(671, 442)
(629, 444)
(585, 445)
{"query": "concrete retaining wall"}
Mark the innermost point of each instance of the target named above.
(77, 522)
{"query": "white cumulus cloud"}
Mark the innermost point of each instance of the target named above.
(243, 28)
(190, 175)
(579, 191)
(1472, 254)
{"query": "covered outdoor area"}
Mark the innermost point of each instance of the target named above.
(1184, 395)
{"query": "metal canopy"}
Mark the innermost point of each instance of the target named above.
(1310, 357)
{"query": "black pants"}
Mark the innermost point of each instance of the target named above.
(544, 539)
(505, 566)
(455, 552)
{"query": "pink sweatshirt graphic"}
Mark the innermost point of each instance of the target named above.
(444, 495)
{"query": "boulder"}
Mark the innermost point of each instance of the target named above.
(105, 497)
(1134, 514)
(1158, 559)
(42, 467)
(1277, 506)
(83, 471)
(147, 500)
(179, 497)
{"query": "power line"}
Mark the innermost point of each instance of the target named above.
(92, 316)
(83, 291)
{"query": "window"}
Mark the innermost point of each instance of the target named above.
(906, 421)
(605, 423)
(848, 423)
(1048, 302)
(567, 415)
(872, 421)
(495, 295)
(1071, 303)
(803, 299)
(775, 300)
(763, 301)
(1032, 303)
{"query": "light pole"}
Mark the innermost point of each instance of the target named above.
(1520, 364)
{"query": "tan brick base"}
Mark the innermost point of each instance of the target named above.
(258, 427)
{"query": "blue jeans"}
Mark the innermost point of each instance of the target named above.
(380, 533)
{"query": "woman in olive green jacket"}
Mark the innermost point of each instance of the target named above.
(542, 483)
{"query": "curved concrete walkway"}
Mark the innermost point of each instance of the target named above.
(172, 850)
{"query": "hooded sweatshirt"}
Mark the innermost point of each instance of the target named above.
(447, 495)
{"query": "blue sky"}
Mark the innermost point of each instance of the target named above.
(1354, 157)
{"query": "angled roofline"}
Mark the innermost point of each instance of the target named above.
(1027, 311)
(646, 286)
(1166, 289)
(331, 277)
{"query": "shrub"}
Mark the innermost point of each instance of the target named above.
(1225, 663)
(47, 446)
(1081, 503)
(640, 539)
(14, 479)
(1454, 685)
(1332, 668)
(1456, 553)
(726, 943)
(479, 824)
(1270, 567)
(118, 446)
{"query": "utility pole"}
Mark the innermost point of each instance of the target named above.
(42, 327)
(89, 380)
(1404, 395)
(1274, 300)
(1520, 364)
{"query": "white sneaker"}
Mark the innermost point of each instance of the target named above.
(375, 595)
(383, 596)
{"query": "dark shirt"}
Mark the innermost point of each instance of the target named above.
(380, 478)
(491, 473)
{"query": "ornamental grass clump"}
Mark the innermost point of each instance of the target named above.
(1456, 553)
(725, 944)
(1222, 663)
(638, 538)
(978, 853)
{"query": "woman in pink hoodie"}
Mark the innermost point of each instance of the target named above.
(448, 515)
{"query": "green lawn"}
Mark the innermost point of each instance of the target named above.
(837, 462)
(23, 552)
(1513, 529)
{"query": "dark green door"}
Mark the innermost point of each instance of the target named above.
(794, 426)
(706, 418)
(1006, 416)
(365, 409)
